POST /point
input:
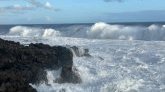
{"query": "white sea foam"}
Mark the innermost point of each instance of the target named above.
(126, 85)
(102, 30)
(164, 26)
(115, 65)
(33, 32)
(126, 66)
(51, 33)
(99, 30)
(53, 75)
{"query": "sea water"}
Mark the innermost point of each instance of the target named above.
(125, 57)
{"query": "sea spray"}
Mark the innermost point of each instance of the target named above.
(100, 30)
(25, 31)
(103, 30)
(127, 65)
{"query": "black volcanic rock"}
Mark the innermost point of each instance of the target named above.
(80, 52)
(21, 65)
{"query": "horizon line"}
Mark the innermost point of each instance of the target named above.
(86, 23)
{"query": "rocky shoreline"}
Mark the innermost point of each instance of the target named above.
(21, 65)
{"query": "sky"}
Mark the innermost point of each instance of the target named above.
(80, 11)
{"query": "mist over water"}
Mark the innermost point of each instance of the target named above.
(124, 58)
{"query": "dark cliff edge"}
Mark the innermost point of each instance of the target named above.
(21, 65)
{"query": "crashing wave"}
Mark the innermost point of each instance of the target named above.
(103, 30)
(164, 26)
(33, 32)
(99, 30)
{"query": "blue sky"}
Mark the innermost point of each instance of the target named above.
(80, 11)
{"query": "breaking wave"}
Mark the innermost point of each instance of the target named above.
(33, 32)
(98, 30)
(120, 32)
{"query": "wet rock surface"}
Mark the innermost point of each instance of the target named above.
(21, 65)
(80, 52)
(69, 75)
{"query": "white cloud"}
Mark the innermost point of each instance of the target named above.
(34, 4)
(15, 8)
(38, 4)
(47, 4)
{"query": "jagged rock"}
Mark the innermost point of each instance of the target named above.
(79, 52)
(21, 65)
(69, 75)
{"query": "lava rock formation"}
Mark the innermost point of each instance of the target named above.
(21, 65)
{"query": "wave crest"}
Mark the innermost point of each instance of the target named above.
(103, 30)
(33, 32)
(99, 30)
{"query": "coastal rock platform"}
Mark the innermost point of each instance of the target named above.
(21, 65)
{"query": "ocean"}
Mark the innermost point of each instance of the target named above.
(126, 57)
